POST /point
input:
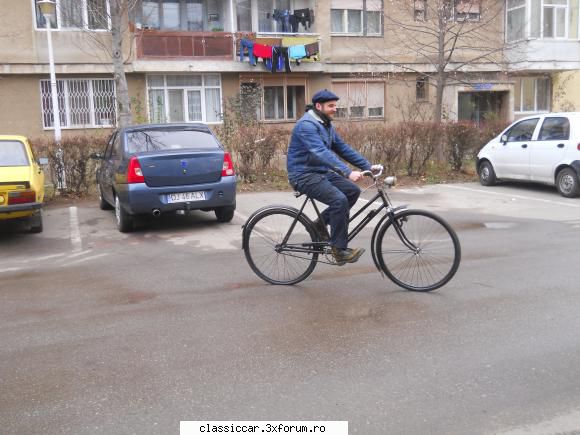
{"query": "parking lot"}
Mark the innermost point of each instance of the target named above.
(104, 332)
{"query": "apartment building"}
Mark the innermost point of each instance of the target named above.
(544, 54)
(182, 60)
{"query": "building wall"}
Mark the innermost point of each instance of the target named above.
(566, 91)
(24, 47)
(21, 108)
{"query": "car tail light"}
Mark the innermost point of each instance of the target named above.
(134, 173)
(21, 197)
(228, 167)
(578, 147)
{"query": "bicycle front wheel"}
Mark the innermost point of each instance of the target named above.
(278, 263)
(418, 250)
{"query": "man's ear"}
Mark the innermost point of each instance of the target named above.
(318, 106)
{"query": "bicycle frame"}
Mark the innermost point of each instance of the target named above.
(319, 247)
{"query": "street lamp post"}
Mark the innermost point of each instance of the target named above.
(48, 9)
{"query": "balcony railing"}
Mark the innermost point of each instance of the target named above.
(164, 44)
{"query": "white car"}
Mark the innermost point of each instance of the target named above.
(541, 148)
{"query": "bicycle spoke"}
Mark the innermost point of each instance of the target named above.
(271, 261)
(433, 261)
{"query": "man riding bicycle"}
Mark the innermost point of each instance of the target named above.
(314, 169)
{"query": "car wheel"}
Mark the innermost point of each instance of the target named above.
(567, 183)
(36, 222)
(103, 204)
(224, 214)
(486, 174)
(124, 219)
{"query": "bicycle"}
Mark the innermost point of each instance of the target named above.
(416, 249)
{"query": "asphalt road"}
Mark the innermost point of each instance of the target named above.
(108, 333)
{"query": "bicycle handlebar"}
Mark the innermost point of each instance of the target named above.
(376, 171)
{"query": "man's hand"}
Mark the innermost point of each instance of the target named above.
(355, 176)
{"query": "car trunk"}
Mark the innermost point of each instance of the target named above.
(185, 167)
(14, 174)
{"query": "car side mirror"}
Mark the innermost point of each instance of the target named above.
(504, 139)
(96, 156)
(43, 161)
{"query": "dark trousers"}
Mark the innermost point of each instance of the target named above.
(339, 193)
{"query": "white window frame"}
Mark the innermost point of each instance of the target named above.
(363, 22)
(528, 21)
(166, 88)
(366, 106)
(527, 11)
(518, 109)
(66, 108)
(555, 8)
(85, 18)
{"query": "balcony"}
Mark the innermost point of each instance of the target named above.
(185, 29)
(156, 44)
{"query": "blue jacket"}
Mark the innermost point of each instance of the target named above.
(312, 150)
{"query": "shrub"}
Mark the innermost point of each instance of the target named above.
(420, 140)
(489, 130)
(70, 168)
(461, 141)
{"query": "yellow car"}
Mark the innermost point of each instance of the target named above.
(21, 182)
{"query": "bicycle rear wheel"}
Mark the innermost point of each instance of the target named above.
(271, 261)
(418, 250)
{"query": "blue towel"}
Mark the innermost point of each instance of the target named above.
(296, 51)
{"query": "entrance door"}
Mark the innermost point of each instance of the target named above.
(479, 106)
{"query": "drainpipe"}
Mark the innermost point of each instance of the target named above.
(232, 23)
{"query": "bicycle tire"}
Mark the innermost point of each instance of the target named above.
(267, 229)
(436, 259)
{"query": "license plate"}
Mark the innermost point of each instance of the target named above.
(185, 197)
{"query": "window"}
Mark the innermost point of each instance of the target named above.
(420, 10)
(421, 89)
(532, 94)
(276, 108)
(187, 15)
(555, 129)
(360, 99)
(554, 18)
(467, 10)
(522, 130)
(82, 103)
(77, 14)
(516, 19)
(550, 19)
(13, 153)
(356, 17)
(184, 98)
(168, 139)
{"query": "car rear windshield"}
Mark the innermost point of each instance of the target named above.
(13, 153)
(158, 140)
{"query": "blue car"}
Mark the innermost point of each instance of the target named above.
(159, 168)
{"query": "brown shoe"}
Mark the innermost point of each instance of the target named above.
(347, 255)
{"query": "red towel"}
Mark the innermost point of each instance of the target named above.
(263, 51)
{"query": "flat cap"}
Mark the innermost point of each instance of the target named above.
(323, 96)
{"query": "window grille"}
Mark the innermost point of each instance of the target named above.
(82, 103)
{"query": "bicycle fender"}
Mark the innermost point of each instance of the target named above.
(260, 211)
(374, 247)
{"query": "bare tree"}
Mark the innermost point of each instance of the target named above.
(439, 40)
(117, 13)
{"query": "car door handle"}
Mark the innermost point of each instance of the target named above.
(525, 145)
(560, 145)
